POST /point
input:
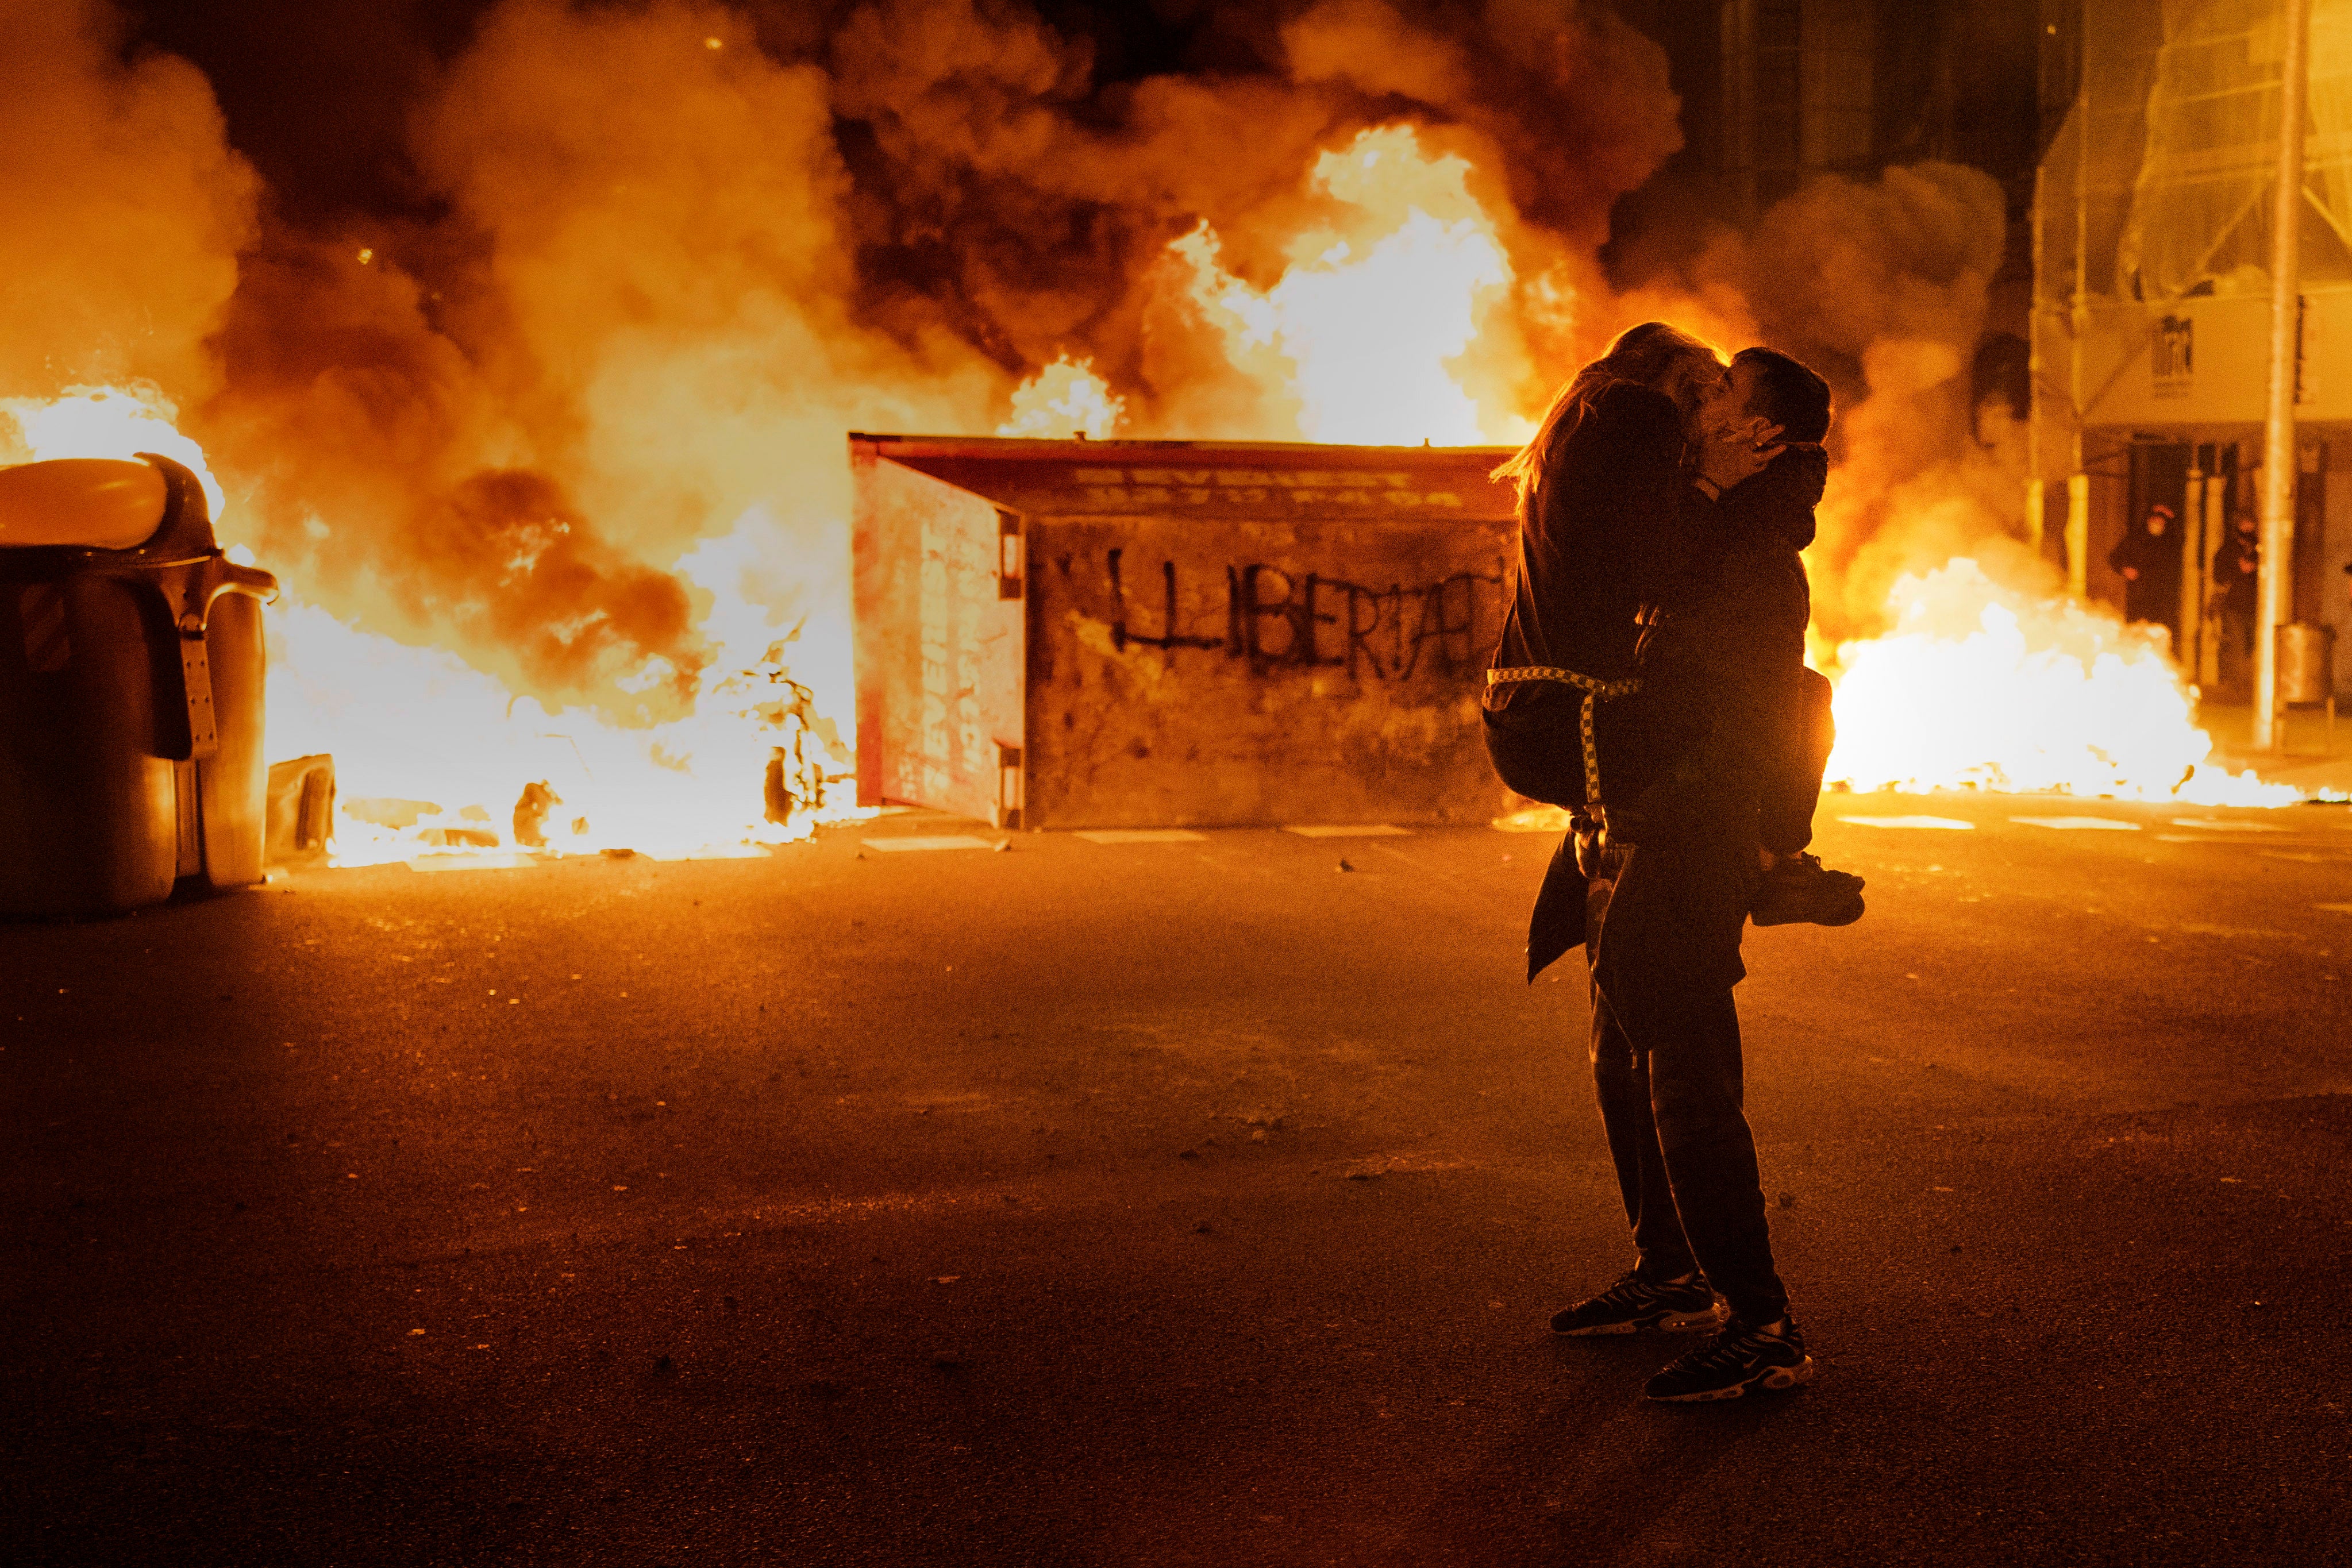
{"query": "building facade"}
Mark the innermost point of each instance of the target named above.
(2152, 314)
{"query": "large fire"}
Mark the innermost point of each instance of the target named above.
(1390, 286)
(434, 758)
(1980, 686)
(1362, 329)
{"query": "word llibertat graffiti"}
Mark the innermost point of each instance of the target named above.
(1278, 621)
(1164, 487)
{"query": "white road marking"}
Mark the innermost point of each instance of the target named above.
(1359, 831)
(2087, 823)
(2335, 908)
(1140, 836)
(1949, 823)
(917, 842)
(469, 863)
(2215, 825)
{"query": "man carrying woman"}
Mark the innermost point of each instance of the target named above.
(1650, 678)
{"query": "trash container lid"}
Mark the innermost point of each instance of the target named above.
(102, 503)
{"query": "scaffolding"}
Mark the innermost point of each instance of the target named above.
(2177, 297)
(2157, 185)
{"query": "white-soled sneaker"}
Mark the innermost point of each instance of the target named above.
(1745, 1357)
(1634, 1303)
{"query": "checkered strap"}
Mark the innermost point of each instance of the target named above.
(1593, 690)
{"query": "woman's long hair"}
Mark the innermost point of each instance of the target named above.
(1647, 354)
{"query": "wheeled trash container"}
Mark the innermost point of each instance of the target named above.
(131, 690)
(1177, 634)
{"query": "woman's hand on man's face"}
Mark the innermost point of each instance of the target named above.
(1728, 454)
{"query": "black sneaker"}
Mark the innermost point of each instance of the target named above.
(1802, 891)
(1740, 1359)
(1634, 1303)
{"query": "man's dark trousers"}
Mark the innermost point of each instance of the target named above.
(1666, 1064)
(1665, 1033)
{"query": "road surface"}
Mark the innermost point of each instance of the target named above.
(1158, 1203)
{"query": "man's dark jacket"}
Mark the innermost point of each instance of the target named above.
(2155, 593)
(2235, 567)
(1720, 665)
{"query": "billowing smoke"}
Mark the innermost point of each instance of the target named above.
(1883, 287)
(1003, 197)
(124, 209)
(680, 256)
(663, 254)
(632, 326)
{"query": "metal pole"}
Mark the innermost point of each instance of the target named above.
(2078, 479)
(2192, 557)
(2216, 507)
(2034, 469)
(2276, 575)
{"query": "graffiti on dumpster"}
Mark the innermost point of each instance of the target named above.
(1160, 488)
(1278, 621)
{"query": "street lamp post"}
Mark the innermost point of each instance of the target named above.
(2078, 478)
(2276, 575)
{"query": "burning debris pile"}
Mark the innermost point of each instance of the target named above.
(546, 444)
(1981, 686)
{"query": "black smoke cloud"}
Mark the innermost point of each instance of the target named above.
(487, 313)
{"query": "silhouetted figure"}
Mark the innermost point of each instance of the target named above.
(2237, 569)
(2149, 560)
(1724, 660)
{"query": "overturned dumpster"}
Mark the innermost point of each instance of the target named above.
(131, 690)
(1106, 634)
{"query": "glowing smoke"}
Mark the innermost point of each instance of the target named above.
(665, 253)
(125, 212)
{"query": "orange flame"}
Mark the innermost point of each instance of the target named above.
(1362, 332)
(452, 749)
(1981, 686)
(105, 421)
(417, 725)
(1397, 299)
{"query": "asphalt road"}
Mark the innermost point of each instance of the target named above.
(1169, 1203)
